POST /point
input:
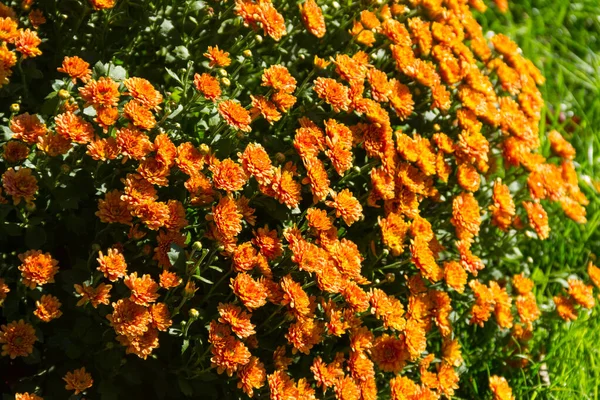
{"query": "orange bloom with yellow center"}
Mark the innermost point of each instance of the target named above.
(143, 289)
(76, 68)
(252, 293)
(312, 17)
(208, 85)
(95, 296)
(235, 115)
(48, 308)
(333, 93)
(37, 268)
(279, 78)
(144, 92)
(27, 128)
(17, 339)
(20, 185)
(346, 206)
(101, 93)
(27, 43)
(217, 57)
(500, 388)
(78, 380)
(112, 265)
(73, 127)
(538, 219)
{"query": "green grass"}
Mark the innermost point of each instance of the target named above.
(562, 37)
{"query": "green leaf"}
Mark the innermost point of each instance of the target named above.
(176, 256)
(185, 345)
(118, 73)
(181, 52)
(35, 237)
(185, 387)
(166, 27)
(197, 5)
(174, 76)
(176, 112)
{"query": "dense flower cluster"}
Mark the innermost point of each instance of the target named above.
(327, 227)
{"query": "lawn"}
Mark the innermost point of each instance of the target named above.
(562, 38)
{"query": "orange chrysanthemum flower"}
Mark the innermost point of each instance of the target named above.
(538, 219)
(466, 216)
(8, 29)
(139, 115)
(128, 318)
(256, 162)
(134, 143)
(103, 4)
(271, 20)
(48, 308)
(27, 396)
(4, 289)
(235, 115)
(252, 294)
(333, 93)
(262, 106)
(106, 117)
(20, 185)
(144, 92)
(76, 68)
(455, 276)
(101, 93)
(36, 17)
(565, 308)
(284, 101)
(227, 218)
(583, 294)
(17, 339)
(500, 388)
(393, 232)
(37, 268)
(27, 43)
(27, 128)
(236, 319)
(161, 316)
(143, 289)
(346, 206)
(112, 265)
(229, 354)
(74, 127)
(208, 85)
(169, 279)
(389, 353)
(217, 57)
(252, 376)
(78, 380)
(95, 296)
(312, 17)
(113, 210)
(103, 149)
(279, 78)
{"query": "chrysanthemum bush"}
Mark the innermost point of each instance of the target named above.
(313, 200)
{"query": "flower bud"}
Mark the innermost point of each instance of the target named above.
(356, 169)
(65, 168)
(390, 277)
(247, 53)
(194, 313)
(280, 157)
(189, 290)
(386, 252)
(15, 108)
(225, 81)
(204, 149)
(335, 5)
(96, 247)
(437, 127)
(30, 206)
(197, 245)
(63, 94)
(222, 72)
(258, 39)
(26, 6)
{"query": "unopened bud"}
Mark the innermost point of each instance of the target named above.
(204, 149)
(65, 168)
(63, 94)
(30, 207)
(280, 157)
(222, 72)
(26, 6)
(390, 277)
(386, 252)
(15, 108)
(335, 5)
(356, 169)
(197, 246)
(258, 39)
(437, 127)
(225, 81)
(194, 313)
(247, 53)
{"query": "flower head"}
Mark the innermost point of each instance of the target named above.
(78, 380)
(76, 68)
(235, 115)
(48, 308)
(37, 268)
(217, 57)
(20, 185)
(17, 339)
